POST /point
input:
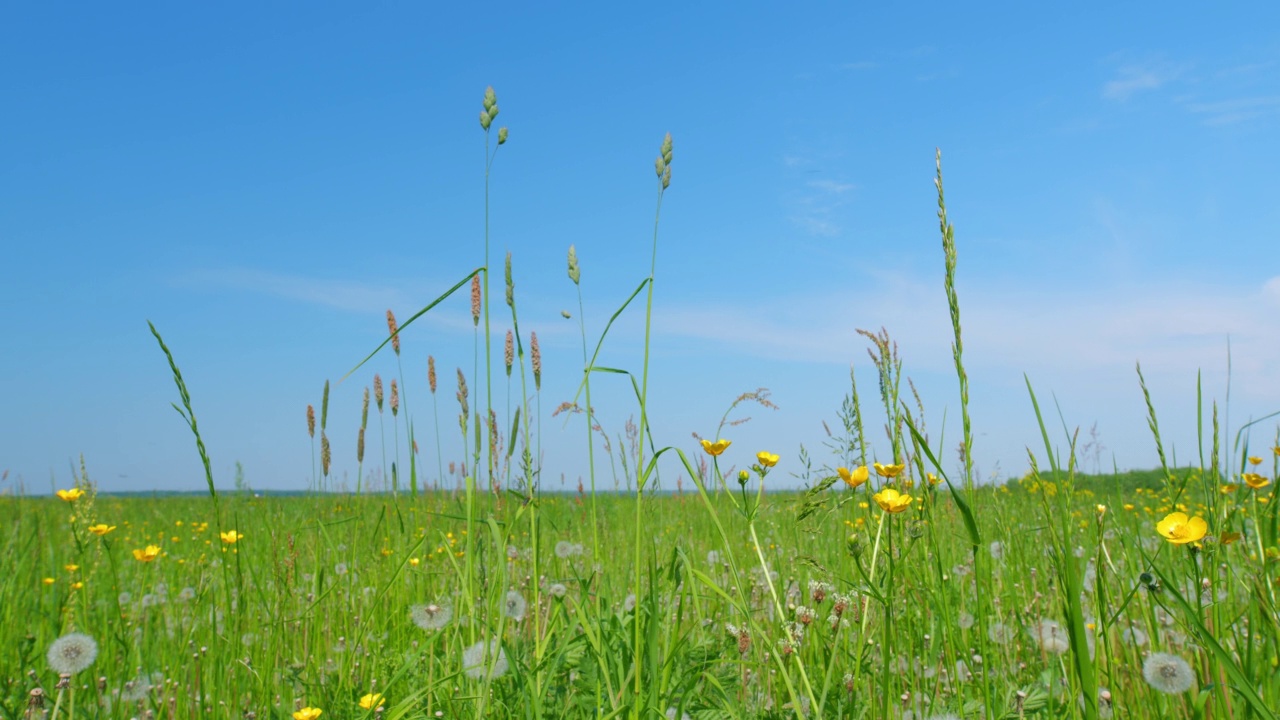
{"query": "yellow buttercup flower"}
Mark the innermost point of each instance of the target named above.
(307, 713)
(1276, 450)
(71, 568)
(371, 701)
(101, 529)
(1255, 481)
(889, 471)
(933, 479)
(1255, 460)
(231, 537)
(853, 478)
(47, 581)
(892, 501)
(767, 459)
(714, 449)
(147, 554)
(70, 495)
(1178, 529)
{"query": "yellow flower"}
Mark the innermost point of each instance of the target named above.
(47, 581)
(71, 568)
(767, 459)
(1255, 481)
(231, 537)
(307, 713)
(1128, 506)
(77, 585)
(1227, 488)
(147, 554)
(70, 495)
(101, 529)
(889, 471)
(1178, 529)
(1276, 450)
(1102, 509)
(1255, 460)
(933, 479)
(891, 501)
(855, 477)
(715, 448)
(371, 701)
(414, 561)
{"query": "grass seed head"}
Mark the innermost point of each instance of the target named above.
(509, 352)
(535, 355)
(431, 373)
(377, 390)
(394, 330)
(311, 420)
(475, 300)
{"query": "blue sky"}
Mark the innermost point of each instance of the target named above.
(264, 182)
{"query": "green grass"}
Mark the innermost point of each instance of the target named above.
(1043, 597)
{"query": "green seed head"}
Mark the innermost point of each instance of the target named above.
(575, 272)
(485, 120)
(502, 135)
(490, 97)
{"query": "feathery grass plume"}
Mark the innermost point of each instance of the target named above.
(395, 398)
(511, 283)
(1168, 673)
(325, 456)
(360, 446)
(393, 329)
(72, 654)
(324, 407)
(462, 401)
(535, 355)
(377, 390)
(311, 421)
(364, 410)
(431, 616)
(575, 272)
(431, 373)
(493, 443)
(476, 661)
(509, 352)
(475, 300)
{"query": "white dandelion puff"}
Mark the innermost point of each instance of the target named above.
(431, 616)
(564, 549)
(73, 653)
(1051, 636)
(1168, 673)
(484, 661)
(515, 605)
(558, 590)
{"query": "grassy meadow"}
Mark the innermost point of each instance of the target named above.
(892, 586)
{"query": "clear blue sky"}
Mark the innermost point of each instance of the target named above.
(264, 181)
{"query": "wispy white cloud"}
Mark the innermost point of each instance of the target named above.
(814, 204)
(1229, 112)
(1133, 78)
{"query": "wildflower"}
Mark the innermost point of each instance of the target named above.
(71, 568)
(340, 569)
(484, 661)
(1168, 673)
(889, 471)
(371, 701)
(187, 594)
(1255, 460)
(231, 537)
(147, 554)
(1050, 636)
(1255, 481)
(999, 633)
(965, 620)
(715, 449)
(853, 478)
(933, 479)
(101, 529)
(307, 713)
(558, 590)
(1276, 450)
(70, 495)
(767, 459)
(48, 581)
(431, 616)
(1177, 528)
(564, 549)
(71, 654)
(1228, 488)
(629, 603)
(891, 501)
(515, 605)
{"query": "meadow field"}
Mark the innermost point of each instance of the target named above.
(893, 585)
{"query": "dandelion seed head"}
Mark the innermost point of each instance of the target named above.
(71, 654)
(431, 616)
(1168, 673)
(564, 549)
(476, 661)
(1050, 636)
(515, 605)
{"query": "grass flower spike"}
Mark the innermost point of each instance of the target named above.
(853, 478)
(147, 554)
(892, 501)
(1177, 528)
(717, 448)
(70, 495)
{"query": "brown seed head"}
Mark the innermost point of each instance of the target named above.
(475, 300)
(311, 421)
(377, 390)
(360, 446)
(393, 329)
(535, 355)
(431, 373)
(325, 455)
(364, 410)
(509, 352)
(395, 398)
